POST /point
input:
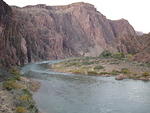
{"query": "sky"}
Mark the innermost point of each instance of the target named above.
(137, 12)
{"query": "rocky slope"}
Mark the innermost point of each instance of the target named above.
(144, 54)
(41, 32)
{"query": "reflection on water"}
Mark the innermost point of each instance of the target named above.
(64, 93)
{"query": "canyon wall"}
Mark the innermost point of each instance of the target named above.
(41, 32)
(144, 54)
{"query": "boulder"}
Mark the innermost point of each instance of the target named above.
(120, 77)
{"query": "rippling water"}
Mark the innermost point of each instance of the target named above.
(65, 93)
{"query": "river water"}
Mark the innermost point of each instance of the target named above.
(69, 93)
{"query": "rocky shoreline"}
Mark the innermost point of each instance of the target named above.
(16, 94)
(97, 66)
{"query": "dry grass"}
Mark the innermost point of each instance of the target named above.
(103, 66)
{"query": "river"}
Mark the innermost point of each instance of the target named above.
(69, 93)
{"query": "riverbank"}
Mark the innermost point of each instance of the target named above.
(100, 66)
(16, 92)
(69, 93)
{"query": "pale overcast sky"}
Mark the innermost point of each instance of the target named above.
(137, 12)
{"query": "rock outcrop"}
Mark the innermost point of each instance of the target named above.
(144, 54)
(41, 32)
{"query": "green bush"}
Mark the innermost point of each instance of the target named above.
(87, 63)
(27, 92)
(125, 71)
(15, 77)
(87, 58)
(78, 71)
(129, 56)
(11, 84)
(98, 67)
(106, 54)
(92, 73)
(119, 55)
(115, 72)
(146, 74)
(15, 71)
(25, 98)
(68, 64)
(104, 73)
(148, 64)
(21, 109)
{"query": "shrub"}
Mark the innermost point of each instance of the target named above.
(125, 71)
(98, 67)
(11, 84)
(15, 77)
(72, 64)
(104, 73)
(87, 63)
(119, 55)
(146, 74)
(129, 56)
(115, 72)
(25, 98)
(21, 109)
(15, 71)
(114, 62)
(87, 58)
(27, 92)
(92, 73)
(78, 71)
(106, 54)
(148, 64)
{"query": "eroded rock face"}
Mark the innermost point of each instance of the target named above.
(5, 12)
(144, 54)
(41, 32)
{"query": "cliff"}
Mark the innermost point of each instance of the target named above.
(144, 54)
(42, 32)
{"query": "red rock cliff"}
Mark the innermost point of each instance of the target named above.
(41, 32)
(144, 54)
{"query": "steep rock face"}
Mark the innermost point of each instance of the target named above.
(126, 39)
(41, 32)
(5, 20)
(144, 54)
(5, 12)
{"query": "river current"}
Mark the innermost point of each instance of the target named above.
(69, 93)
